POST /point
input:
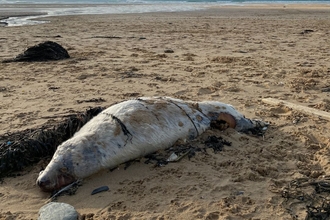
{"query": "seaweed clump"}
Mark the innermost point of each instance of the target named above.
(162, 158)
(316, 201)
(46, 51)
(27, 147)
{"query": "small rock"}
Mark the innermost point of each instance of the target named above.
(239, 193)
(57, 211)
(100, 189)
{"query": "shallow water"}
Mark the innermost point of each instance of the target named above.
(72, 7)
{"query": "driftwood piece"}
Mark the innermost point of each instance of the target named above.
(305, 109)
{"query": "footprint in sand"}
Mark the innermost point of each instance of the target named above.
(206, 90)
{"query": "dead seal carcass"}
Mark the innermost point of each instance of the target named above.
(132, 129)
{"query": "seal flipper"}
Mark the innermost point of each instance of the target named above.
(254, 126)
(245, 125)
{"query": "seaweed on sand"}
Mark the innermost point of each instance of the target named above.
(46, 51)
(187, 149)
(27, 147)
(316, 201)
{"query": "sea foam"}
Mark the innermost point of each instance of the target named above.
(98, 9)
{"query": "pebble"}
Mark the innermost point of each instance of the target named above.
(57, 211)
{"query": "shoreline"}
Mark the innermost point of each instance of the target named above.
(32, 13)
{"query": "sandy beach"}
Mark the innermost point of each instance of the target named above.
(237, 55)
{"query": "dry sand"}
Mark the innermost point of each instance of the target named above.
(235, 55)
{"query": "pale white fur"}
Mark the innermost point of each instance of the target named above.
(132, 129)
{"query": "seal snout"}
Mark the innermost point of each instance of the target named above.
(53, 178)
(44, 183)
(57, 182)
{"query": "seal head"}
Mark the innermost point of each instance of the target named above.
(60, 171)
(57, 174)
(74, 159)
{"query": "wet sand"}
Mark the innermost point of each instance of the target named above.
(237, 55)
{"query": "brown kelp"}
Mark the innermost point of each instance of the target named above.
(27, 147)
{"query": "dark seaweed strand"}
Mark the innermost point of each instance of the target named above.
(185, 113)
(123, 127)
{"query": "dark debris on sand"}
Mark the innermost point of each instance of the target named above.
(27, 147)
(316, 201)
(181, 150)
(46, 51)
